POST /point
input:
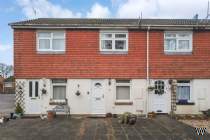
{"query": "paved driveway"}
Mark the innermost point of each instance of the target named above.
(161, 128)
(7, 102)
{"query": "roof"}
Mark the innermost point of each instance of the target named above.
(103, 23)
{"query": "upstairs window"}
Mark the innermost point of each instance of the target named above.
(114, 41)
(51, 41)
(178, 41)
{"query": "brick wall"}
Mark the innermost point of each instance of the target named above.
(84, 60)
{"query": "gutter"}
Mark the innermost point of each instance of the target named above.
(95, 26)
(148, 79)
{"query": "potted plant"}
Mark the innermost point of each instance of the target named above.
(151, 88)
(19, 110)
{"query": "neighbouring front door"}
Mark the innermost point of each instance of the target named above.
(33, 102)
(97, 98)
(159, 103)
(159, 99)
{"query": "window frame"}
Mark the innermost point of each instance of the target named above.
(51, 40)
(123, 84)
(59, 84)
(177, 38)
(113, 39)
(186, 84)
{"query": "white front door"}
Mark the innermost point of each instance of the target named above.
(33, 103)
(97, 98)
(159, 103)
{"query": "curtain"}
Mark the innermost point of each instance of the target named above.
(183, 93)
(58, 44)
(59, 92)
(122, 92)
(170, 44)
(120, 44)
(184, 44)
(44, 43)
(106, 44)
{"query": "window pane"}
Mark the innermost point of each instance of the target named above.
(58, 34)
(36, 89)
(59, 80)
(44, 44)
(170, 35)
(106, 44)
(106, 35)
(44, 34)
(30, 89)
(58, 44)
(183, 81)
(184, 35)
(183, 93)
(122, 81)
(120, 44)
(184, 44)
(123, 93)
(59, 92)
(170, 44)
(120, 35)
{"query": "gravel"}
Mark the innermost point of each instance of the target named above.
(198, 123)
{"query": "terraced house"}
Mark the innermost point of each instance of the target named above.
(100, 66)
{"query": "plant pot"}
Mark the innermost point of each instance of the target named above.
(51, 115)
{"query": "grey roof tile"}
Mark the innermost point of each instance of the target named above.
(108, 22)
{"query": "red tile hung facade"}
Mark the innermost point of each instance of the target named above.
(83, 59)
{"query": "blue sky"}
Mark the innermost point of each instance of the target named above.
(16, 10)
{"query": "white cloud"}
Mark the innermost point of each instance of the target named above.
(4, 48)
(162, 8)
(44, 8)
(98, 11)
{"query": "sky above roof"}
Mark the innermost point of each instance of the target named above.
(16, 10)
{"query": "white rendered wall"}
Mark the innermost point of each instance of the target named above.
(82, 104)
(200, 96)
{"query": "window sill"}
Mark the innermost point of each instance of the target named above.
(190, 103)
(177, 53)
(124, 103)
(51, 52)
(114, 52)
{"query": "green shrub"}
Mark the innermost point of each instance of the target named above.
(18, 109)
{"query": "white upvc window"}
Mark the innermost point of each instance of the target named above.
(184, 91)
(178, 41)
(114, 41)
(51, 41)
(123, 90)
(59, 90)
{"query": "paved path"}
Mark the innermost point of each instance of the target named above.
(161, 128)
(7, 103)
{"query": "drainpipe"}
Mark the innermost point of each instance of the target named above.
(148, 80)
